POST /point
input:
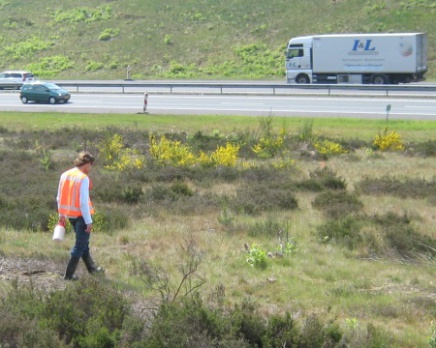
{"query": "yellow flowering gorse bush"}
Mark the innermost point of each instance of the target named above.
(225, 156)
(117, 156)
(168, 152)
(328, 147)
(270, 145)
(388, 141)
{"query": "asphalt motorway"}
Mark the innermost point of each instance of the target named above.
(370, 107)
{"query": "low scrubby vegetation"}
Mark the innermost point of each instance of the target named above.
(249, 181)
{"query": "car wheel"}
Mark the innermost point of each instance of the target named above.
(52, 100)
(24, 100)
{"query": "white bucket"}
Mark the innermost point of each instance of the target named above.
(59, 233)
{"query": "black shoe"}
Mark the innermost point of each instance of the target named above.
(71, 268)
(90, 266)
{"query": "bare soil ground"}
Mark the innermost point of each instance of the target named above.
(38, 274)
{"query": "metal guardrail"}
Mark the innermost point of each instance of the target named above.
(226, 88)
(223, 88)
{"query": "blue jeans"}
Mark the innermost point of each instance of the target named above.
(81, 247)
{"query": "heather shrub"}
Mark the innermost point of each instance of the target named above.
(270, 228)
(81, 315)
(321, 179)
(168, 174)
(195, 204)
(85, 313)
(261, 174)
(160, 193)
(164, 193)
(206, 143)
(344, 231)
(192, 321)
(254, 199)
(403, 239)
(131, 194)
(424, 149)
(312, 334)
(281, 331)
(365, 336)
(336, 204)
(388, 235)
(400, 187)
(17, 330)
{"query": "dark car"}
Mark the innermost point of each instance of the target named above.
(47, 92)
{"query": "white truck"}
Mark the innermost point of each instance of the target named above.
(357, 58)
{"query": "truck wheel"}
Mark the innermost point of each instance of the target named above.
(302, 79)
(380, 79)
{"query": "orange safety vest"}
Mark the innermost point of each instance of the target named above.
(69, 193)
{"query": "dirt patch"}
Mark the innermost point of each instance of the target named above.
(39, 274)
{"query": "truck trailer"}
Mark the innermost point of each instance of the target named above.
(357, 58)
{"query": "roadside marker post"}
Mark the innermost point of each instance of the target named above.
(144, 108)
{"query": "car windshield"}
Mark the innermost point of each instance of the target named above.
(51, 86)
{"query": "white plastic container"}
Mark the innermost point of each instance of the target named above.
(59, 233)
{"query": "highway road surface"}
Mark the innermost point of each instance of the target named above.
(417, 108)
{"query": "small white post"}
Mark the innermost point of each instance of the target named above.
(128, 72)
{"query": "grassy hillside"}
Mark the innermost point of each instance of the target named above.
(186, 39)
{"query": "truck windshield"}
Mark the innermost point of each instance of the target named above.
(294, 52)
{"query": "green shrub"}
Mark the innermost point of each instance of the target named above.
(181, 189)
(343, 231)
(108, 34)
(83, 14)
(160, 193)
(131, 194)
(85, 313)
(17, 330)
(93, 66)
(257, 257)
(312, 334)
(269, 228)
(281, 331)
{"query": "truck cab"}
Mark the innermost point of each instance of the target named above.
(299, 60)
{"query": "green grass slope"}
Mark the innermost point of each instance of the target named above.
(224, 39)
